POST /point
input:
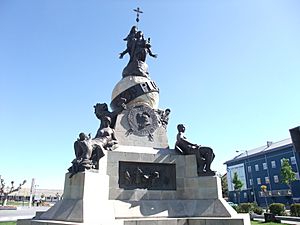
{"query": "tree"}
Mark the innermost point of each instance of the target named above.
(224, 186)
(5, 191)
(238, 184)
(288, 176)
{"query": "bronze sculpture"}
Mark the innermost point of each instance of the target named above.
(204, 155)
(164, 117)
(140, 179)
(137, 48)
(101, 111)
(88, 151)
(130, 42)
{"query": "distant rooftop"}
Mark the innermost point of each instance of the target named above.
(38, 192)
(256, 151)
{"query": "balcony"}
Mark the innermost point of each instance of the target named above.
(275, 193)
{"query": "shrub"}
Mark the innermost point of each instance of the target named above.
(249, 208)
(258, 210)
(277, 209)
(244, 208)
(295, 210)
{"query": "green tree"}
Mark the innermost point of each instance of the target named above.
(237, 185)
(224, 186)
(288, 176)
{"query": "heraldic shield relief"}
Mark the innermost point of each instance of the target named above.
(143, 121)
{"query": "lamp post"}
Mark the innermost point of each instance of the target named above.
(264, 192)
(32, 191)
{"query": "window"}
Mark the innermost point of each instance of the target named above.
(297, 176)
(273, 164)
(249, 169)
(267, 180)
(245, 194)
(276, 179)
(256, 167)
(293, 160)
(250, 182)
(264, 166)
(258, 180)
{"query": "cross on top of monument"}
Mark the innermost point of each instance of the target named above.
(138, 11)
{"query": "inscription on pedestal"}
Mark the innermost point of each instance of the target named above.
(151, 176)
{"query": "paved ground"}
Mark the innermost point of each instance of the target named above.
(282, 221)
(27, 213)
(289, 222)
(20, 213)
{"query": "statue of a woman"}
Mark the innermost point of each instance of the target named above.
(130, 42)
(89, 151)
(137, 48)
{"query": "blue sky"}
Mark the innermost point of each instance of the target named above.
(229, 70)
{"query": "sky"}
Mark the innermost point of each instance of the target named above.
(228, 70)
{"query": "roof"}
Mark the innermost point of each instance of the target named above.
(46, 192)
(261, 150)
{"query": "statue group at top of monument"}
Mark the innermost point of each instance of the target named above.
(137, 47)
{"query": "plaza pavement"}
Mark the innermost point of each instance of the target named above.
(21, 213)
(27, 213)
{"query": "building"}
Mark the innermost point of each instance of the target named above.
(262, 166)
(49, 195)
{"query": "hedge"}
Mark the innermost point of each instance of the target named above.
(248, 208)
(277, 209)
(295, 210)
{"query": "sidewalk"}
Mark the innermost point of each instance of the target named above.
(20, 213)
(282, 221)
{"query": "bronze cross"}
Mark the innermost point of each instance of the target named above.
(138, 11)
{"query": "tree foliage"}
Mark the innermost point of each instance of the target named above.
(238, 184)
(224, 186)
(288, 176)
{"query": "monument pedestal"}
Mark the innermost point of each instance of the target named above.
(116, 194)
(83, 194)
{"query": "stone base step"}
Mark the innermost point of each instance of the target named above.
(243, 219)
(240, 219)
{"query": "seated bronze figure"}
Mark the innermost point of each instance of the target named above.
(204, 155)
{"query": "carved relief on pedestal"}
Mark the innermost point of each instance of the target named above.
(143, 121)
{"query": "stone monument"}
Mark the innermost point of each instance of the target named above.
(127, 174)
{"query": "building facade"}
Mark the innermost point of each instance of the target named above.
(262, 167)
(50, 195)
